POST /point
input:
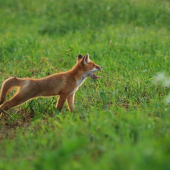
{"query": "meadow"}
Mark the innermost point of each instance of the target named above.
(121, 121)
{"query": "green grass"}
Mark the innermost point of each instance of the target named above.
(121, 120)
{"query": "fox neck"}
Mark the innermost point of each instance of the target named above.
(79, 81)
(79, 72)
(80, 76)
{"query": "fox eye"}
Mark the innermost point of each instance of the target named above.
(93, 65)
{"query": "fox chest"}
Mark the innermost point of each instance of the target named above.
(78, 84)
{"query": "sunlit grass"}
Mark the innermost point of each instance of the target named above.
(121, 121)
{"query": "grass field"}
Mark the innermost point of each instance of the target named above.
(121, 120)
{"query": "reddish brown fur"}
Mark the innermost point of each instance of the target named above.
(62, 84)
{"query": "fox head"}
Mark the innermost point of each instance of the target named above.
(88, 66)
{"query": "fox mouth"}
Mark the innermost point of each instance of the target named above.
(94, 76)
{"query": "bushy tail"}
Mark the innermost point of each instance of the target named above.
(7, 86)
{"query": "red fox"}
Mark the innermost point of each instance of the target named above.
(64, 84)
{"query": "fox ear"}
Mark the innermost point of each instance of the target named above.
(86, 59)
(79, 57)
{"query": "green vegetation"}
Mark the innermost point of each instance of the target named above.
(121, 120)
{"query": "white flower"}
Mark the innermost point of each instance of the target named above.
(159, 78)
(167, 100)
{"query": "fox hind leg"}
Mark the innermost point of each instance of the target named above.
(17, 99)
(20, 97)
(14, 101)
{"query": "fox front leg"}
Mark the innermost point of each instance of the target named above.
(70, 102)
(61, 101)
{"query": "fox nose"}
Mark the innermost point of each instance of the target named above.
(101, 67)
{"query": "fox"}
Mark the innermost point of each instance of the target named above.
(64, 84)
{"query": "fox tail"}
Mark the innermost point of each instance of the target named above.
(7, 86)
